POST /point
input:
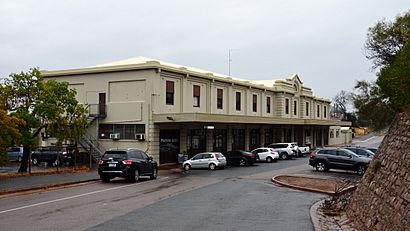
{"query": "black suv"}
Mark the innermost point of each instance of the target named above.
(126, 163)
(338, 158)
(49, 154)
(240, 158)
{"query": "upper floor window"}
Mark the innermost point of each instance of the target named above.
(254, 103)
(307, 108)
(196, 94)
(324, 111)
(318, 110)
(169, 93)
(268, 104)
(295, 107)
(287, 106)
(238, 101)
(219, 98)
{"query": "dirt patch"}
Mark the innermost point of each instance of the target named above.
(327, 186)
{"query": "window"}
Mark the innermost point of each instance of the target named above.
(307, 108)
(337, 133)
(196, 94)
(295, 106)
(287, 106)
(268, 104)
(126, 131)
(254, 103)
(238, 101)
(318, 110)
(332, 135)
(169, 95)
(324, 111)
(219, 98)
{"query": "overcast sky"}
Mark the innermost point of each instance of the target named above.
(322, 41)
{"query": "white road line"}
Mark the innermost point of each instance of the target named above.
(68, 198)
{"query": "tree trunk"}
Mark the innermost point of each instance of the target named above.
(25, 160)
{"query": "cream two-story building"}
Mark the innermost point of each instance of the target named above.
(167, 109)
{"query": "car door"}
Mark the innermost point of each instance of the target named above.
(262, 153)
(149, 166)
(206, 159)
(332, 158)
(144, 169)
(345, 159)
(196, 161)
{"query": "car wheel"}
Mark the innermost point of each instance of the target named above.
(187, 167)
(154, 174)
(321, 166)
(35, 161)
(212, 166)
(284, 156)
(360, 169)
(242, 162)
(136, 175)
(19, 159)
(105, 178)
(269, 159)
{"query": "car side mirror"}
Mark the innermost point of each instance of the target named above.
(350, 156)
(150, 158)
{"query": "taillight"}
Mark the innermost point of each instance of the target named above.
(65, 152)
(100, 162)
(251, 155)
(127, 161)
(216, 156)
(312, 155)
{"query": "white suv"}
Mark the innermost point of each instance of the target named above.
(285, 150)
(266, 154)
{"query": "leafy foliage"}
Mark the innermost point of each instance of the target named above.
(386, 39)
(373, 110)
(43, 105)
(9, 132)
(394, 81)
(388, 47)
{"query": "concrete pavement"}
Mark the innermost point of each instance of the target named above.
(43, 180)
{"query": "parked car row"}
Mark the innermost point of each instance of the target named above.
(213, 160)
(345, 158)
(48, 154)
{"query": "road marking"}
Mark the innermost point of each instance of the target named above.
(70, 197)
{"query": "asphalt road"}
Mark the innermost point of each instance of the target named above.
(236, 198)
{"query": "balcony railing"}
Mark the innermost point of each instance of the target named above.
(97, 110)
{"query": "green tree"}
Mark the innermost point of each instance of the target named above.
(394, 81)
(42, 105)
(387, 45)
(386, 39)
(373, 110)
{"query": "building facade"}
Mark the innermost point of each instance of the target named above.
(166, 109)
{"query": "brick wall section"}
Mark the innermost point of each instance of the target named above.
(381, 202)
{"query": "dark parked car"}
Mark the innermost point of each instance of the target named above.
(49, 154)
(325, 159)
(241, 158)
(361, 151)
(127, 163)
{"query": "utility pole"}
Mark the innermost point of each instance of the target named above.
(229, 61)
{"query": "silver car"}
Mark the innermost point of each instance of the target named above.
(15, 154)
(211, 160)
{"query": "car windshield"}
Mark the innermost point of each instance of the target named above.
(115, 155)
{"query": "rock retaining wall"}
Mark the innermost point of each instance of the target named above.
(381, 202)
